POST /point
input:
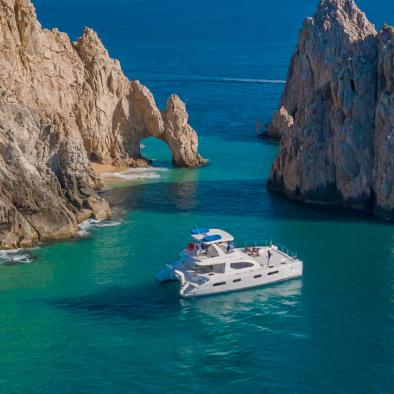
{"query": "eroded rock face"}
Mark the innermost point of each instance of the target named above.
(62, 105)
(46, 185)
(114, 114)
(383, 176)
(335, 115)
(179, 135)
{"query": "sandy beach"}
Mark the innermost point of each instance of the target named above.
(100, 169)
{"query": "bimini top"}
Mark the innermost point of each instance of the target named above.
(211, 236)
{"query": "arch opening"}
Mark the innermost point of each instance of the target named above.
(156, 151)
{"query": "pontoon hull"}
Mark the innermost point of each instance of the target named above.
(166, 275)
(255, 278)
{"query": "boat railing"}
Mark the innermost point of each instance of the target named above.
(281, 248)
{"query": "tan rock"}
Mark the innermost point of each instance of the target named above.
(44, 182)
(281, 122)
(339, 93)
(115, 114)
(63, 105)
(179, 135)
(383, 175)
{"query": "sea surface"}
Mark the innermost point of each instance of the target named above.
(86, 316)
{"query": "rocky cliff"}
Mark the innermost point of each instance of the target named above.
(63, 105)
(336, 115)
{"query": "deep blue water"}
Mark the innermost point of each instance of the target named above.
(86, 316)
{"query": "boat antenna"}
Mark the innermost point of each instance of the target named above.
(196, 224)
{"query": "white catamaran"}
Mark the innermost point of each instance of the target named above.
(211, 264)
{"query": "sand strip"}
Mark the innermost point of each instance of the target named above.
(105, 168)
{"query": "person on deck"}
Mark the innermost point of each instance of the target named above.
(190, 248)
(198, 249)
(269, 256)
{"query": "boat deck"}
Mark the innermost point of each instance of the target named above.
(260, 255)
(276, 259)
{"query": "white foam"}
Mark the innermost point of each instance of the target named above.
(213, 78)
(252, 80)
(15, 256)
(86, 225)
(108, 223)
(135, 173)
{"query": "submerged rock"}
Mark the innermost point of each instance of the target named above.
(336, 113)
(63, 105)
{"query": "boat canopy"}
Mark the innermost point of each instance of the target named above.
(202, 230)
(212, 236)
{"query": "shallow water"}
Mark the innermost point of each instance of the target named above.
(87, 316)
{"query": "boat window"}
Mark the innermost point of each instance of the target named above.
(210, 269)
(237, 280)
(204, 269)
(219, 283)
(273, 272)
(241, 265)
(257, 276)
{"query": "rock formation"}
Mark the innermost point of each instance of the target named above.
(113, 114)
(336, 116)
(62, 105)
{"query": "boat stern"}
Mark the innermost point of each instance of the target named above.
(166, 274)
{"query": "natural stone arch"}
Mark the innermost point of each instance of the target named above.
(115, 114)
(171, 126)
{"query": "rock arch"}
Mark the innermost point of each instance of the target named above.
(61, 104)
(115, 114)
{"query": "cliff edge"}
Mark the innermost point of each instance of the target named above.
(336, 115)
(62, 106)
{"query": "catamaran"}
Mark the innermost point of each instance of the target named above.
(212, 264)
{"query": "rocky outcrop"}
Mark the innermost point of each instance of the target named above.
(282, 121)
(179, 135)
(383, 171)
(46, 185)
(115, 114)
(336, 113)
(63, 105)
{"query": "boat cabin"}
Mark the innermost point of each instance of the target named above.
(210, 253)
(210, 243)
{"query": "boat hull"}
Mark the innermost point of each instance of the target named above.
(166, 275)
(255, 278)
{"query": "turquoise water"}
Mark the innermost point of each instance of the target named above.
(87, 316)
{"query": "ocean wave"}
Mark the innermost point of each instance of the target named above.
(212, 78)
(251, 80)
(219, 80)
(15, 256)
(87, 225)
(135, 174)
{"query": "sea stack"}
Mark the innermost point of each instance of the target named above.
(336, 115)
(64, 105)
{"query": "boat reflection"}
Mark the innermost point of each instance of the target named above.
(281, 298)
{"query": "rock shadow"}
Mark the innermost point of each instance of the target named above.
(243, 198)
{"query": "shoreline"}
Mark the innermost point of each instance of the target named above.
(100, 169)
(112, 176)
